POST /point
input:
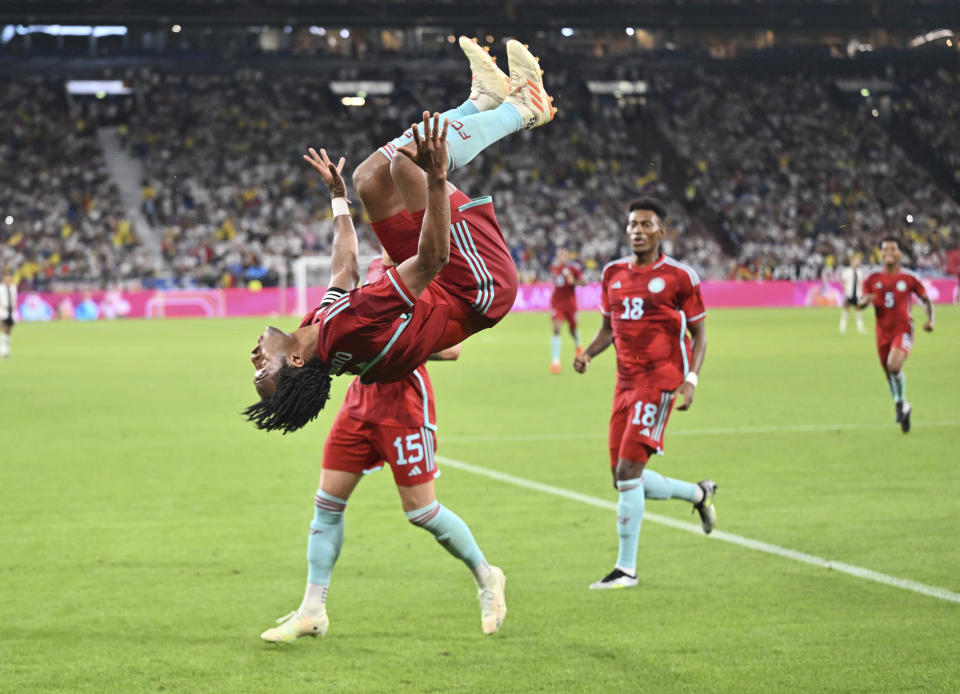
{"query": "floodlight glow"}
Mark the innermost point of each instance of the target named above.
(9, 220)
(630, 31)
(567, 31)
(344, 33)
(176, 28)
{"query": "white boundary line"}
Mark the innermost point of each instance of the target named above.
(859, 572)
(720, 431)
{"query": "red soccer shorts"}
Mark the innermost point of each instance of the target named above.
(887, 341)
(481, 274)
(354, 445)
(638, 421)
(565, 312)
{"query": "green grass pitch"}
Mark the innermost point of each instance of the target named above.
(148, 534)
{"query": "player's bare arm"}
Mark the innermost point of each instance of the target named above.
(602, 340)
(865, 300)
(928, 307)
(698, 332)
(433, 249)
(448, 354)
(344, 266)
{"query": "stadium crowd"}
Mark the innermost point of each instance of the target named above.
(779, 169)
(800, 182)
(62, 218)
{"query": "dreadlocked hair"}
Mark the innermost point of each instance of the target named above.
(301, 394)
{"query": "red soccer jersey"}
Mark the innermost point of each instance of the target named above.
(891, 299)
(386, 333)
(405, 403)
(565, 278)
(649, 309)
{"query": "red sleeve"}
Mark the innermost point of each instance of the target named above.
(577, 272)
(604, 299)
(917, 287)
(865, 289)
(691, 301)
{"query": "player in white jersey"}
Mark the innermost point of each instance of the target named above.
(8, 306)
(852, 277)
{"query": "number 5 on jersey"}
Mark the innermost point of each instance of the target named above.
(632, 308)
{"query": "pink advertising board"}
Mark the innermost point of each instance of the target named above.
(219, 303)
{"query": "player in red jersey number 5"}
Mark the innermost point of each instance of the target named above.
(649, 303)
(889, 290)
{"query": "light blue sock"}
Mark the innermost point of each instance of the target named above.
(656, 486)
(629, 520)
(898, 386)
(326, 537)
(450, 531)
(576, 338)
(555, 347)
(455, 114)
(479, 131)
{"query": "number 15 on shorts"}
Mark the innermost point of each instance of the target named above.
(412, 445)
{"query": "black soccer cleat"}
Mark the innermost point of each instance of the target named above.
(899, 411)
(706, 509)
(905, 418)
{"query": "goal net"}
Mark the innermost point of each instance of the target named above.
(311, 274)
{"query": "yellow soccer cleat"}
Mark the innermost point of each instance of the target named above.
(526, 87)
(493, 601)
(489, 86)
(295, 625)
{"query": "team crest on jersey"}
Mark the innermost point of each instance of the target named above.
(878, 285)
(656, 285)
(615, 285)
(901, 286)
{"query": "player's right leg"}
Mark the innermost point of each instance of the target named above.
(420, 505)
(5, 340)
(898, 381)
(347, 452)
(843, 317)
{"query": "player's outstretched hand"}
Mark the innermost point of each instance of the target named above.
(328, 172)
(580, 363)
(431, 149)
(928, 326)
(686, 389)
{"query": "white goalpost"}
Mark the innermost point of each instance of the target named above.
(313, 271)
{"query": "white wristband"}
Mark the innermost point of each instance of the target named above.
(692, 379)
(340, 206)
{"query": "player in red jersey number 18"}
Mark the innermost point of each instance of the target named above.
(650, 302)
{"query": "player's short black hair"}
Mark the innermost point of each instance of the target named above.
(892, 239)
(651, 204)
(301, 394)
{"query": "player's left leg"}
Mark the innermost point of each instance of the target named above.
(424, 511)
(844, 311)
(556, 343)
(656, 486)
(575, 332)
(858, 314)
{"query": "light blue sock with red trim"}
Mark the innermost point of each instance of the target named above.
(450, 531)
(656, 486)
(455, 114)
(629, 521)
(326, 537)
(470, 135)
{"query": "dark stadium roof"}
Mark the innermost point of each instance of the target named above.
(528, 13)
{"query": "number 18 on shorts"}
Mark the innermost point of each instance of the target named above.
(638, 422)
